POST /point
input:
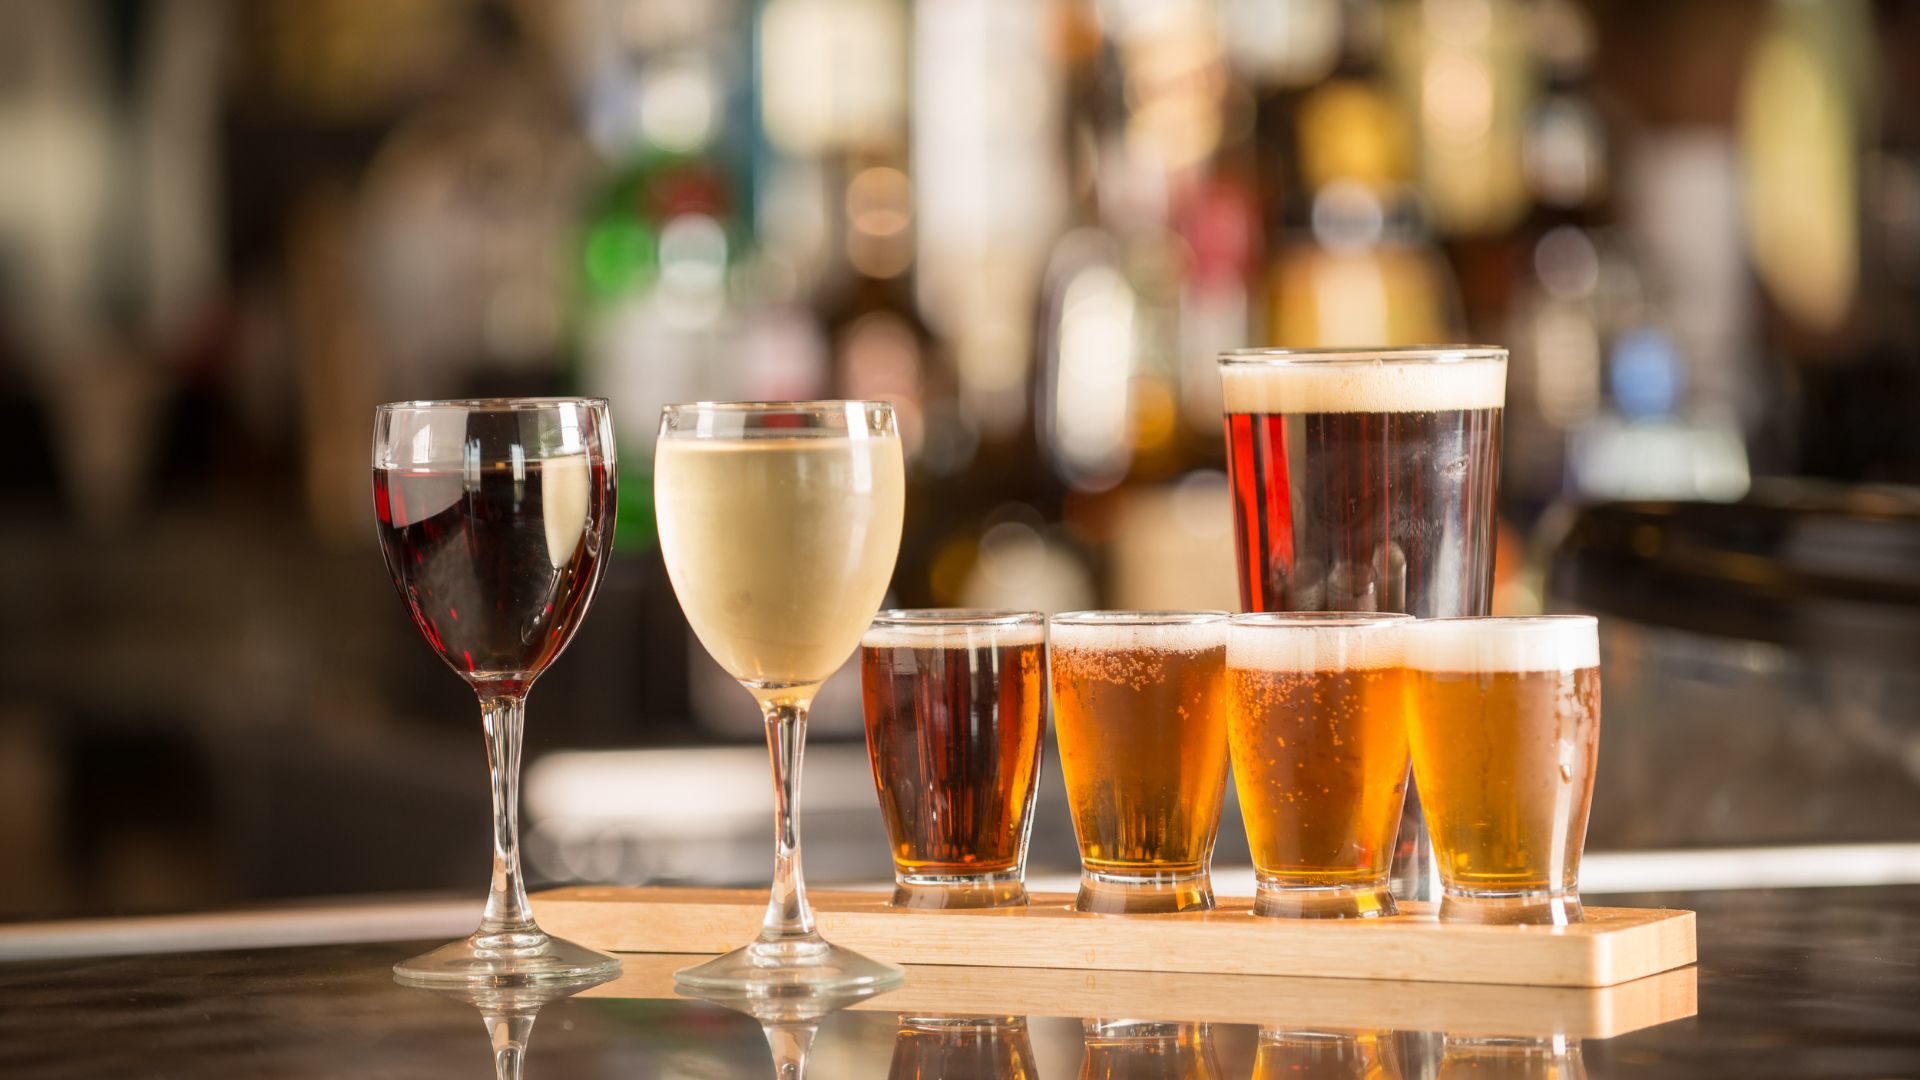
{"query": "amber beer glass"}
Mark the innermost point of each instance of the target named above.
(1142, 726)
(1364, 480)
(955, 706)
(1503, 716)
(1147, 1050)
(944, 1047)
(1317, 729)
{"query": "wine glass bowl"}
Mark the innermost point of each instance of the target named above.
(495, 517)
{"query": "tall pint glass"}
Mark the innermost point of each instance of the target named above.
(1364, 480)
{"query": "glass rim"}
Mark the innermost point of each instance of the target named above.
(1337, 355)
(1516, 622)
(1102, 617)
(823, 405)
(1296, 620)
(908, 618)
(495, 404)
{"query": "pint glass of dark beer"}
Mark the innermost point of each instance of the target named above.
(1503, 716)
(1364, 480)
(955, 706)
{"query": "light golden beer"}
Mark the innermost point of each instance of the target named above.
(1317, 729)
(1503, 717)
(1140, 716)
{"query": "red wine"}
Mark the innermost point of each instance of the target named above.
(496, 561)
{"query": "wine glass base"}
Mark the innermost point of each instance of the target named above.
(1511, 909)
(805, 967)
(1153, 894)
(524, 959)
(1323, 901)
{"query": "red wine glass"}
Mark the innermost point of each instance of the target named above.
(496, 516)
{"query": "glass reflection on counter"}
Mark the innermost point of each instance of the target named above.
(509, 1012)
(1148, 1050)
(1465, 1057)
(1287, 1054)
(790, 1021)
(934, 1047)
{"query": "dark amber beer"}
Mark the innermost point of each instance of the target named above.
(1141, 720)
(954, 704)
(1317, 727)
(1503, 716)
(1364, 480)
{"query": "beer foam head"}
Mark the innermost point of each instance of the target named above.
(1163, 631)
(1485, 646)
(955, 629)
(1315, 641)
(1391, 381)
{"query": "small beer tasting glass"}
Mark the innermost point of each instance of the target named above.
(1318, 735)
(955, 708)
(495, 517)
(1140, 716)
(1503, 716)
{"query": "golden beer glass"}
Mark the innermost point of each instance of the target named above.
(1503, 715)
(1317, 729)
(1141, 722)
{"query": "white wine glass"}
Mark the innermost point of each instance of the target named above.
(780, 523)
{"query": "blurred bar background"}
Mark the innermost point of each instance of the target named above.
(228, 230)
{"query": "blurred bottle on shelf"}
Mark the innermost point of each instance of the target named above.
(1354, 264)
(1462, 74)
(1572, 287)
(667, 232)
(1149, 283)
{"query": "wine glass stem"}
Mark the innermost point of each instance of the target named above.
(787, 914)
(507, 909)
(509, 1034)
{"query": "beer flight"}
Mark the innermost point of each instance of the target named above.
(1381, 729)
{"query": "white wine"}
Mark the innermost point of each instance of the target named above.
(780, 549)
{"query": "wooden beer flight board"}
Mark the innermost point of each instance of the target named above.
(1613, 945)
(1472, 1009)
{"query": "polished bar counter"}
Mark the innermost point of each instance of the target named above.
(1791, 983)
